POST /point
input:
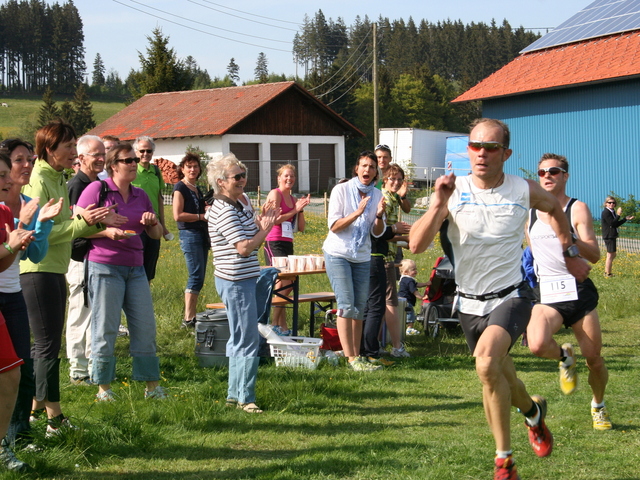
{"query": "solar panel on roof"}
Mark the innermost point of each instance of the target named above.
(602, 17)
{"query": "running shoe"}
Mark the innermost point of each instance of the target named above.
(57, 425)
(185, 324)
(8, 459)
(505, 469)
(568, 374)
(399, 352)
(106, 396)
(36, 415)
(601, 419)
(81, 381)
(380, 361)
(540, 437)
(361, 365)
(412, 331)
(157, 393)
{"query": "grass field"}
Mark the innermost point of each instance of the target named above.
(22, 113)
(420, 419)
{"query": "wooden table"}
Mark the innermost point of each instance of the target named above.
(313, 298)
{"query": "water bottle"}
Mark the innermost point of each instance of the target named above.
(332, 358)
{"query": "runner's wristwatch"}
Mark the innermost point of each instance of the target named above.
(571, 251)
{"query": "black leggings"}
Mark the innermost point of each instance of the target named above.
(46, 296)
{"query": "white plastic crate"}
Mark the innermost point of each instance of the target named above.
(303, 353)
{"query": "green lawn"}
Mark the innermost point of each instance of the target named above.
(421, 419)
(22, 113)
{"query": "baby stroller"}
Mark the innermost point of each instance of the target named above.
(437, 309)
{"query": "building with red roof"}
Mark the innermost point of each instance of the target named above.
(577, 94)
(263, 125)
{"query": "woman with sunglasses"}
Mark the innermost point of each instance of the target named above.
(236, 235)
(117, 280)
(279, 242)
(188, 212)
(12, 304)
(611, 220)
(43, 284)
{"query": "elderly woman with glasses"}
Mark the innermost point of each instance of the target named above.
(236, 234)
(117, 280)
(611, 220)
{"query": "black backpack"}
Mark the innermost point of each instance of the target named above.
(80, 246)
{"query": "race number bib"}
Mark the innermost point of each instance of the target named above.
(558, 288)
(287, 230)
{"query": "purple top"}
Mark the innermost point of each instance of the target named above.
(126, 252)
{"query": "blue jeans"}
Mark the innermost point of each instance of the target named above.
(113, 288)
(375, 309)
(350, 283)
(195, 246)
(244, 340)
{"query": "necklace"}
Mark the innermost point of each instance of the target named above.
(188, 182)
(498, 182)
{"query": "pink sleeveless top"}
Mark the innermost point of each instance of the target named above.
(275, 235)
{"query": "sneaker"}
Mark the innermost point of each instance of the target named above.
(399, 352)
(568, 375)
(186, 323)
(8, 459)
(361, 365)
(601, 419)
(157, 393)
(81, 381)
(57, 425)
(540, 437)
(123, 331)
(380, 361)
(412, 331)
(36, 415)
(106, 396)
(505, 469)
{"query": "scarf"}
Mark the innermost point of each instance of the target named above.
(361, 225)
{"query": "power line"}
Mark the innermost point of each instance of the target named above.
(208, 25)
(348, 90)
(201, 31)
(252, 14)
(347, 76)
(238, 16)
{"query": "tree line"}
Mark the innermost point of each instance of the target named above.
(40, 45)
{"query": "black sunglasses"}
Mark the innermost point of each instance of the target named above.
(128, 161)
(145, 151)
(238, 176)
(552, 170)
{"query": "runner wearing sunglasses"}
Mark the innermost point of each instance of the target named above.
(487, 211)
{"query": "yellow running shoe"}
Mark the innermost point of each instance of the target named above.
(568, 375)
(601, 419)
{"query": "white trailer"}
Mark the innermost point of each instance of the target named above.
(421, 153)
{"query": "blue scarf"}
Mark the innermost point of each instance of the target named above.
(361, 225)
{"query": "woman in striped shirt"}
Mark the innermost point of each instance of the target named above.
(236, 235)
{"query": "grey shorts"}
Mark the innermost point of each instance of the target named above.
(392, 288)
(512, 315)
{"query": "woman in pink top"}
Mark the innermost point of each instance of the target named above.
(279, 242)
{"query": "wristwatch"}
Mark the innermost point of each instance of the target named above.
(571, 251)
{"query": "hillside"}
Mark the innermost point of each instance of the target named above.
(19, 117)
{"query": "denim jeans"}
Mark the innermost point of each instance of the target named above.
(113, 288)
(242, 348)
(375, 309)
(350, 283)
(195, 246)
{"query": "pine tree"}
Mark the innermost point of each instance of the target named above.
(67, 113)
(261, 71)
(233, 69)
(83, 111)
(98, 79)
(49, 110)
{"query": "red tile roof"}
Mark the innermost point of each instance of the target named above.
(596, 60)
(197, 112)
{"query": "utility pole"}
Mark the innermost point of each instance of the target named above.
(375, 83)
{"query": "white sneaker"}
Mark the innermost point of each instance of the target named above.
(399, 352)
(412, 331)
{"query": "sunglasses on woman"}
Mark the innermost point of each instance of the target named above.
(552, 170)
(128, 160)
(238, 176)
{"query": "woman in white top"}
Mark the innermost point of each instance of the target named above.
(356, 210)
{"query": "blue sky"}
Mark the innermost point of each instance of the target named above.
(117, 29)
